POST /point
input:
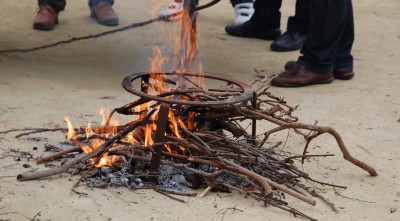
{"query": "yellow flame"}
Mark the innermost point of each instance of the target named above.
(103, 161)
(148, 140)
(112, 128)
(71, 131)
(173, 125)
(130, 138)
(89, 130)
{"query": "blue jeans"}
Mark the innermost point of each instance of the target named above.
(59, 5)
(331, 37)
(94, 2)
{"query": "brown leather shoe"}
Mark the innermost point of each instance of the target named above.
(342, 75)
(290, 66)
(104, 14)
(46, 18)
(301, 76)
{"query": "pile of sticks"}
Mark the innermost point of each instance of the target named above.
(235, 159)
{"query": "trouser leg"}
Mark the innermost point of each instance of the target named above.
(94, 2)
(58, 5)
(236, 2)
(327, 31)
(301, 20)
(344, 59)
(267, 14)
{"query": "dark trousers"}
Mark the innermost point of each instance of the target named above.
(267, 14)
(300, 22)
(59, 5)
(236, 2)
(331, 36)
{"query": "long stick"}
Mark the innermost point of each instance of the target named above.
(56, 155)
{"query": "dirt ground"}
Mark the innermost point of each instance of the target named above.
(38, 88)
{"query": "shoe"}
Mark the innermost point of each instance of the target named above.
(250, 30)
(289, 41)
(46, 18)
(174, 7)
(341, 75)
(344, 74)
(300, 77)
(104, 14)
(243, 12)
(290, 66)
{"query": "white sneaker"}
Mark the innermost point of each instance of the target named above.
(243, 12)
(174, 7)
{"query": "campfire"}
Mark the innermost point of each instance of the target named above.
(194, 130)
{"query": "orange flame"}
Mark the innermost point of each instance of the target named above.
(71, 132)
(86, 148)
(107, 161)
(130, 138)
(148, 140)
(191, 121)
(89, 130)
(112, 128)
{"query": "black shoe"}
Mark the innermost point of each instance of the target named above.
(289, 41)
(251, 30)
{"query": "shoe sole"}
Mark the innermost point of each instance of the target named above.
(282, 49)
(43, 27)
(344, 76)
(327, 81)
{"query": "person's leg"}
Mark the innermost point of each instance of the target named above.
(264, 23)
(300, 22)
(267, 14)
(297, 29)
(102, 11)
(343, 68)
(236, 2)
(47, 15)
(58, 5)
(328, 26)
(327, 29)
(95, 2)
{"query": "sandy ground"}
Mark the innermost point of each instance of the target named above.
(38, 88)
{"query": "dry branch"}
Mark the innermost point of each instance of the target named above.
(346, 154)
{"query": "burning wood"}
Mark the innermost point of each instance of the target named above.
(199, 141)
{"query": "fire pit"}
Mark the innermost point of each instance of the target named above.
(197, 124)
(199, 132)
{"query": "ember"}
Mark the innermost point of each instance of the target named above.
(189, 132)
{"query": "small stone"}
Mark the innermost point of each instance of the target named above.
(106, 170)
(392, 209)
(25, 165)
